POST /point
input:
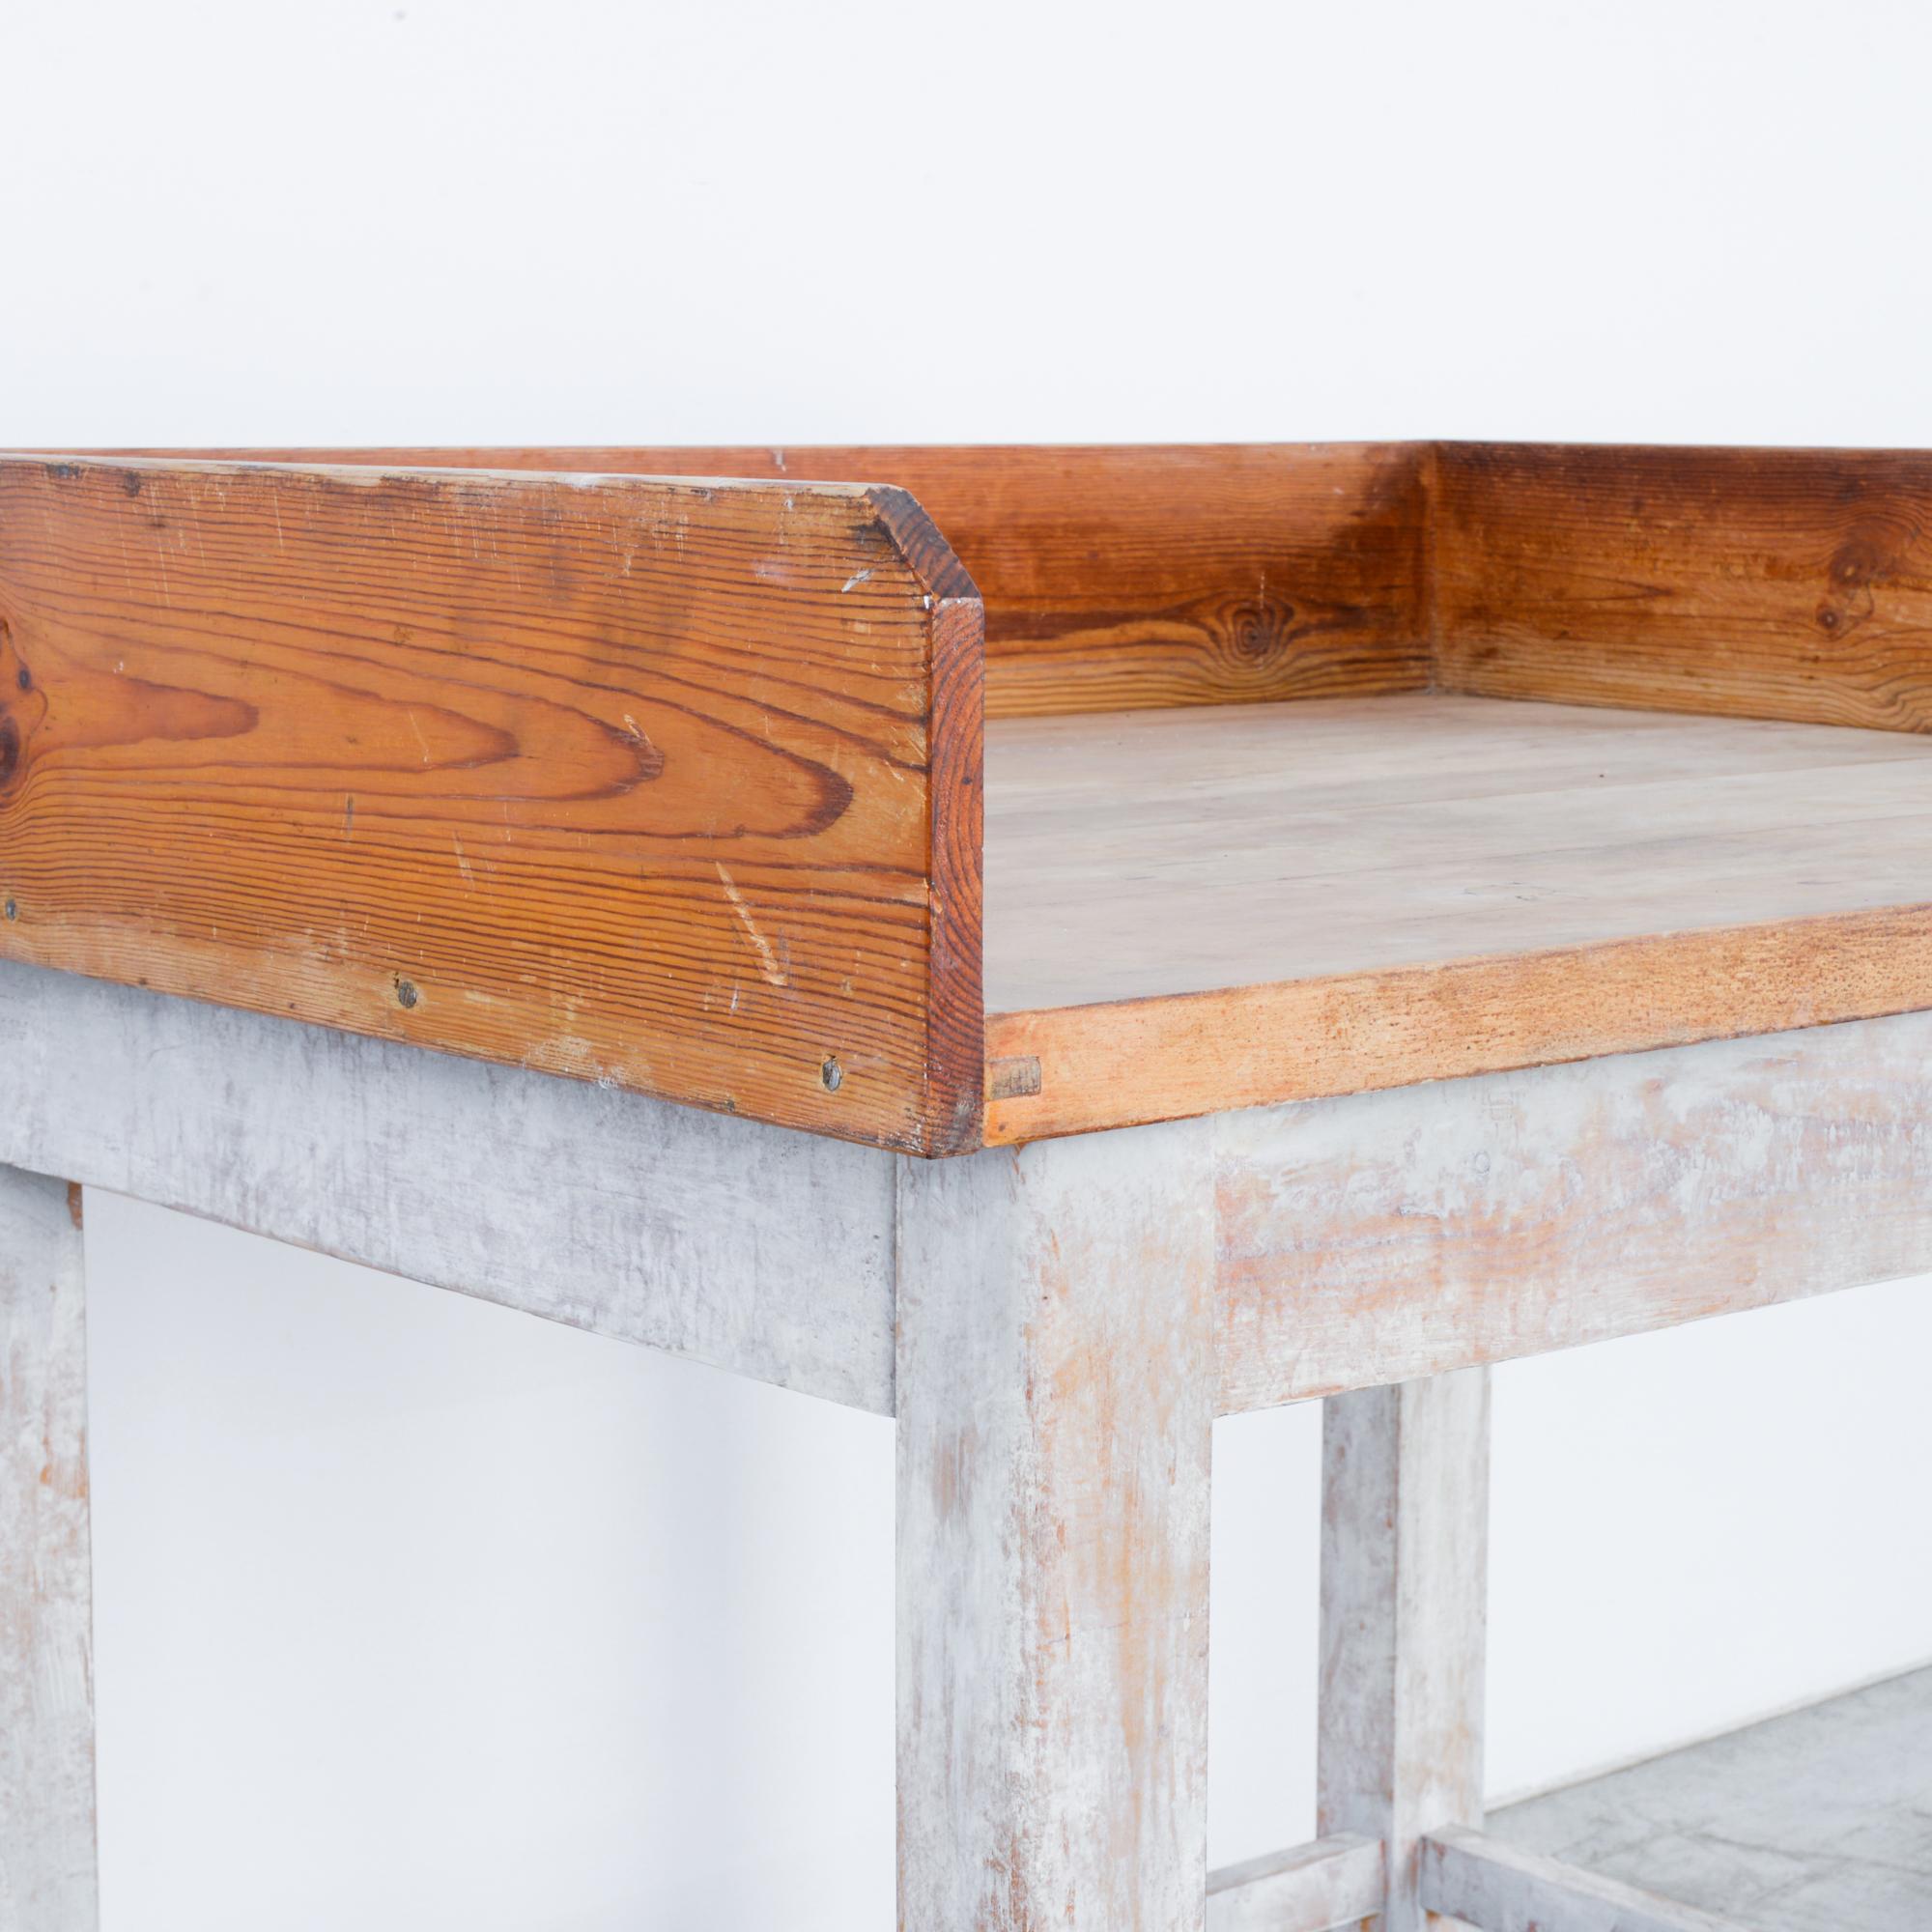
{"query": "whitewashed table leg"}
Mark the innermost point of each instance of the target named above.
(1056, 1382)
(46, 1666)
(1405, 1545)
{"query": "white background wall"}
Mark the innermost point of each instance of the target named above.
(416, 1614)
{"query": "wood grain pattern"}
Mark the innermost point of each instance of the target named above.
(723, 1241)
(1194, 911)
(1405, 1583)
(1753, 582)
(1758, 583)
(1479, 1881)
(634, 781)
(1055, 1389)
(1323, 1887)
(1392, 1235)
(1205, 1053)
(1129, 576)
(46, 1633)
(1188, 910)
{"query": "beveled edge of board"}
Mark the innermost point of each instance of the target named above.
(955, 1006)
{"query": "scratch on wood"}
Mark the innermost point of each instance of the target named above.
(768, 964)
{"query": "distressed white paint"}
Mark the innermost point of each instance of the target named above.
(1056, 1387)
(1069, 1316)
(758, 1249)
(1315, 1888)
(1390, 1235)
(1496, 1888)
(46, 1639)
(1812, 1821)
(1370, 1239)
(1405, 1545)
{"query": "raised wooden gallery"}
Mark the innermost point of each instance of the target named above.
(1234, 924)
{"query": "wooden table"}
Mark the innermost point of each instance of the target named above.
(1216, 927)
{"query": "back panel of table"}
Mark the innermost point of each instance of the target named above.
(1126, 577)
(1791, 583)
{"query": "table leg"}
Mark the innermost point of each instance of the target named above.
(1404, 1539)
(46, 1663)
(1056, 1384)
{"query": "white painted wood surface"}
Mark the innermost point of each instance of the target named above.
(1817, 1820)
(1069, 1317)
(1405, 1557)
(46, 1629)
(1373, 1238)
(1056, 1384)
(1315, 1888)
(1483, 1883)
(1397, 1235)
(758, 1249)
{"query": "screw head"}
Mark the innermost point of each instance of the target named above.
(12, 911)
(832, 1073)
(406, 993)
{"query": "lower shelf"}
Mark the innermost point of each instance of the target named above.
(1816, 1822)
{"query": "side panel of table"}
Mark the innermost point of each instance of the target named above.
(668, 784)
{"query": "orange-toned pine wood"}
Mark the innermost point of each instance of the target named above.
(668, 784)
(1123, 578)
(1759, 582)
(1089, 1068)
(1742, 584)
